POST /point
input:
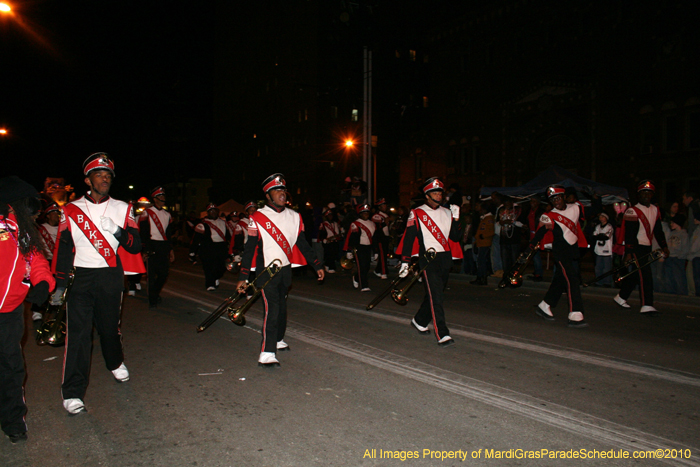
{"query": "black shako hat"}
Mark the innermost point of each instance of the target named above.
(274, 182)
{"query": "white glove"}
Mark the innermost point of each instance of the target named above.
(237, 259)
(349, 255)
(109, 225)
(55, 298)
(455, 211)
(403, 271)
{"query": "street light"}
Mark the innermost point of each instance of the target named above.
(349, 143)
(3, 131)
(5, 8)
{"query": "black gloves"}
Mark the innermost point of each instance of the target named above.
(39, 293)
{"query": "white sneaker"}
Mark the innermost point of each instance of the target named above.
(621, 301)
(132, 293)
(331, 271)
(384, 276)
(211, 288)
(445, 341)
(268, 359)
(121, 374)
(282, 346)
(366, 289)
(544, 311)
(217, 282)
(378, 274)
(421, 329)
(36, 316)
(74, 406)
(354, 282)
(138, 286)
(648, 309)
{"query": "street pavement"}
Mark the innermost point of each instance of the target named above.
(362, 388)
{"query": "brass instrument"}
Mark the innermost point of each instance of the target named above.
(514, 278)
(649, 258)
(233, 264)
(237, 315)
(53, 326)
(394, 283)
(347, 263)
(399, 295)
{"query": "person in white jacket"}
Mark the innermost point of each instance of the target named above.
(603, 236)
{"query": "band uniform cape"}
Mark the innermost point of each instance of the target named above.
(132, 263)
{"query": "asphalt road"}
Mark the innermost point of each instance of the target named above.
(359, 387)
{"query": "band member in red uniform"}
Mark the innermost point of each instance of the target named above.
(563, 222)
(432, 226)
(360, 236)
(381, 221)
(211, 238)
(155, 226)
(22, 264)
(641, 224)
(329, 236)
(275, 233)
(91, 231)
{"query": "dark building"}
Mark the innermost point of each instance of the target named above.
(605, 89)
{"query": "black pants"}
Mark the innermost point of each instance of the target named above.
(275, 300)
(331, 251)
(435, 279)
(642, 278)
(382, 252)
(364, 257)
(95, 298)
(213, 256)
(12, 406)
(158, 268)
(565, 280)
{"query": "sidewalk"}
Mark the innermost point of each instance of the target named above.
(659, 298)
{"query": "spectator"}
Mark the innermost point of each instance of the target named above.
(692, 203)
(467, 241)
(694, 252)
(509, 220)
(603, 236)
(673, 215)
(674, 279)
(453, 196)
(483, 242)
(533, 219)
(496, 262)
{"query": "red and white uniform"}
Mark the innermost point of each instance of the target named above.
(366, 229)
(380, 218)
(49, 233)
(217, 227)
(565, 218)
(279, 234)
(331, 229)
(647, 216)
(164, 219)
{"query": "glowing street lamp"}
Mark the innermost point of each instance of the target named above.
(349, 143)
(5, 8)
(3, 131)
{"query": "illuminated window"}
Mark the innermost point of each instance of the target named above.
(425, 101)
(412, 55)
(355, 115)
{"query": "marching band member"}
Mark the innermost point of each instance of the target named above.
(360, 237)
(381, 221)
(156, 229)
(211, 237)
(563, 222)
(21, 264)
(92, 230)
(432, 226)
(48, 231)
(328, 235)
(641, 224)
(275, 233)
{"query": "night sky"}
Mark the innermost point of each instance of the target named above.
(132, 79)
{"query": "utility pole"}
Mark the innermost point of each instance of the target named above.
(368, 167)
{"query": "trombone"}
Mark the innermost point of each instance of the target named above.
(399, 295)
(514, 277)
(647, 259)
(237, 314)
(53, 326)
